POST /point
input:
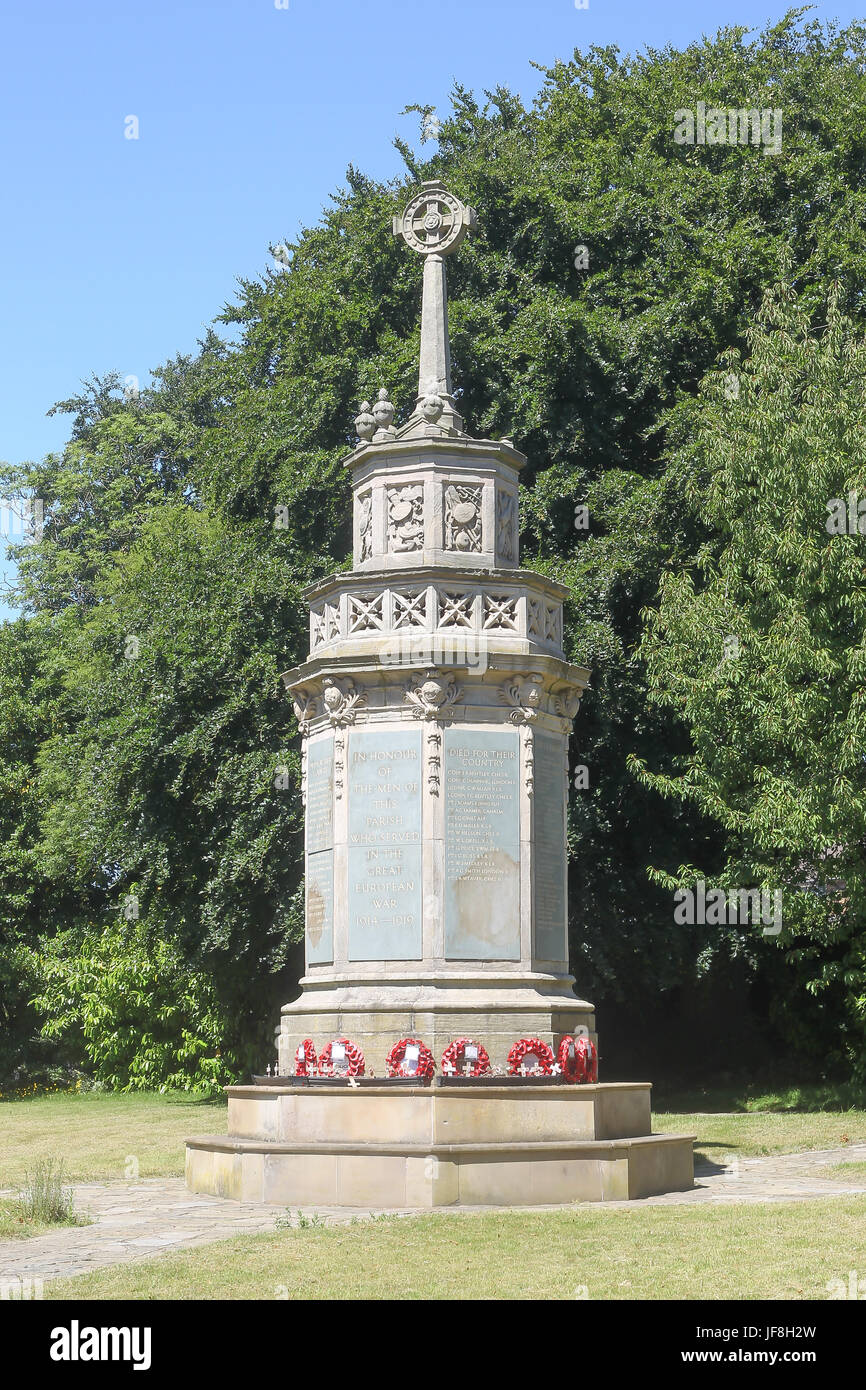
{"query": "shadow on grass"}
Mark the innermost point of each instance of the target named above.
(218, 1101)
(827, 1098)
(707, 1166)
(97, 1093)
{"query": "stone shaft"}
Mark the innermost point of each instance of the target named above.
(435, 367)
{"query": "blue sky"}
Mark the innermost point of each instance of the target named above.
(117, 253)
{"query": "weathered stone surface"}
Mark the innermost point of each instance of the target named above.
(384, 845)
(438, 637)
(482, 844)
(497, 1011)
(386, 1115)
(420, 1147)
(550, 863)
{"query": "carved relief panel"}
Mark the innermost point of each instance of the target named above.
(405, 518)
(506, 526)
(365, 526)
(462, 518)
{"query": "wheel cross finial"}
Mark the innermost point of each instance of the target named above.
(434, 221)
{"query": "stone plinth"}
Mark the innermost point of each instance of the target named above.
(495, 1008)
(422, 1147)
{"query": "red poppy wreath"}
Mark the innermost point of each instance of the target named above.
(578, 1059)
(540, 1055)
(465, 1057)
(306, 1061)
(398, 1064)
(341, 1058)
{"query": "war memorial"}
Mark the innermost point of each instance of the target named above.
(438, 1053)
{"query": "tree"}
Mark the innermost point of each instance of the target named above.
(760, 647)
(173, 788)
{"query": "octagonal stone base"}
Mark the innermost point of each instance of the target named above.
(421, 1147)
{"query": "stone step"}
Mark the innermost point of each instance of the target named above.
(421, 1176)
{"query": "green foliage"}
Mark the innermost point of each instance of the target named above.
(148, 1022)
(760, 649)
(30, 711)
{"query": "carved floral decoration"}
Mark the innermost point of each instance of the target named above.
(566, 704)
(365, 524)
(433, 697)
(524, 694)
(506, 510)
(306, 707)
(341, 700)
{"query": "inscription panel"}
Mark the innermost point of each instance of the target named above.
(320, 795)
(385, 888)
(319, 821)
(551, 935)
(320, 908)
(482, 844)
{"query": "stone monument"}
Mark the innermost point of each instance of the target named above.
(435, 710)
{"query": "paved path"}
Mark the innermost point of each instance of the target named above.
(780, 1178)
(132, 1221)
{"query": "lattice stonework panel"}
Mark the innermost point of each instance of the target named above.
(500, 613)
(534, 618)
(317, 628)
(456, 610)
(552, 622)
(409, 608)
(366, 614)
(332, 621)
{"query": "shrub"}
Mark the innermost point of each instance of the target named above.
(148, 1019)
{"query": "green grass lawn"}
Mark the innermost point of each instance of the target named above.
(13, 1226)
(840, 1171)
(828, 1097)
(754, 1133)
(98, 1134)
(786, 1251)
(752, 1120)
